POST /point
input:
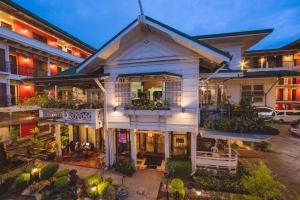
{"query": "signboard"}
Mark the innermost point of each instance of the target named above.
(122, 138)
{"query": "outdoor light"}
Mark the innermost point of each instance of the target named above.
(198, 193)
(26, 59)
(34, 171)
(243, 64)
(25, 30)
(94, 188)
(27, 87)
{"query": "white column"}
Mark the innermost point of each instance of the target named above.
(112, 146)
(58, 139)
(70, 131)
(167, 145)
(107, 149)
(133, 146)
(193, 150)
(48, 67)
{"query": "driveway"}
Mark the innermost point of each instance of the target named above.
(283, 159)
(143, 185)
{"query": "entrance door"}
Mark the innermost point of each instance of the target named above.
(154, 143)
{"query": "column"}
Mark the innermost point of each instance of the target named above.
(58, 140)
(107, 149)
(167, 146)
(70, 131)
(9, 97)
(229, 153)
(193, 151)
(133, 146)
(112, 147)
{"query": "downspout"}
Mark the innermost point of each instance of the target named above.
(273, 85)
(105, 112)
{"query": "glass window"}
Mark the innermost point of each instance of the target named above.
(123, 142)
(6, 25)
(39, 37)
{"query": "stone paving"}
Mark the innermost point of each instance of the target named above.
(143, 185)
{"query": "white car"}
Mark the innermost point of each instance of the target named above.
(288, 116)
(266, 113)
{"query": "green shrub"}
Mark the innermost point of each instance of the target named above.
(64, 172)
(92, 192)
(93, 180)
(102, 187)
(125, 167)
(48, 171)
(177, 187)
(22, 180)
(61, 182)
(263, 146)
(109, 180)
(179, 167)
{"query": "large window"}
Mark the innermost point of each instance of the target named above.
(148, 92)
(39, 37)
(255, 92)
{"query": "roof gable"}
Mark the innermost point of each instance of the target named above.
(183, 39)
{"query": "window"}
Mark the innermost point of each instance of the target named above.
(6, 25)
(256, 92)
(59, 47)
(40, 38)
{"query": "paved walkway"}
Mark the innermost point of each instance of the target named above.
(283, 159)
(143, 185)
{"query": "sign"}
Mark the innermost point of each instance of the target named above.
(123, 138)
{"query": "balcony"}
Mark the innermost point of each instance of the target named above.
(36, 71)
(36, 45)
(89, 117)
(213, 160)
(4, 67)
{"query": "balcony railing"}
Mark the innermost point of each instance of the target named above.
(90, 117)
(213, 160)
(36, 71)
(4, 66)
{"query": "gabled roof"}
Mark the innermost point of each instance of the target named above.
(231, 34)
(152, 22)
(43, 21)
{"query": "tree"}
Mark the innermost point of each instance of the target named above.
(261, 184)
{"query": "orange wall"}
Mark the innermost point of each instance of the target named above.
(25, 65)
(25, 92)
(53, 69)
(21, 27)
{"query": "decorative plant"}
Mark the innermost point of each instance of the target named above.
(14, 134)
(125, 167)
(61, 182)
(48, 170)
(261, 184)
(22, 180)
(177, 187)
(93, 180)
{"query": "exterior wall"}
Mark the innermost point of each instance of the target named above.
(233, 90)
(91, 134)
(156, 47)
(235, 51)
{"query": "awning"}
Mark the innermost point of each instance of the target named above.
(68, 78)
(250, 137)
(164, 76)
(275, 73)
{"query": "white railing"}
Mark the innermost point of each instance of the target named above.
(91, 117)
(213, 160)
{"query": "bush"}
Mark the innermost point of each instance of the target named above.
(61, 182)
(22, 180)
(263, 146)
(102, 187)
(93, 180)
(125, 167)
(64, 172)
(48, 171)
(179, 168)
(177, 187)
(109, 180)
(92, 192)
(219, 181)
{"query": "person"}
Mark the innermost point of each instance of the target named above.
(77, 147)
(72, 146)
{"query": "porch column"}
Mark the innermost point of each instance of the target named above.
(113, 147)
(229, 152)
(58, 140)
(167, 146)
(70, 131)
(193, 151)
(107, 149)
(133, 146)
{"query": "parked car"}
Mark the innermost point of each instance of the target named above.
(287, 116)
(294, 129)
(267, 113)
